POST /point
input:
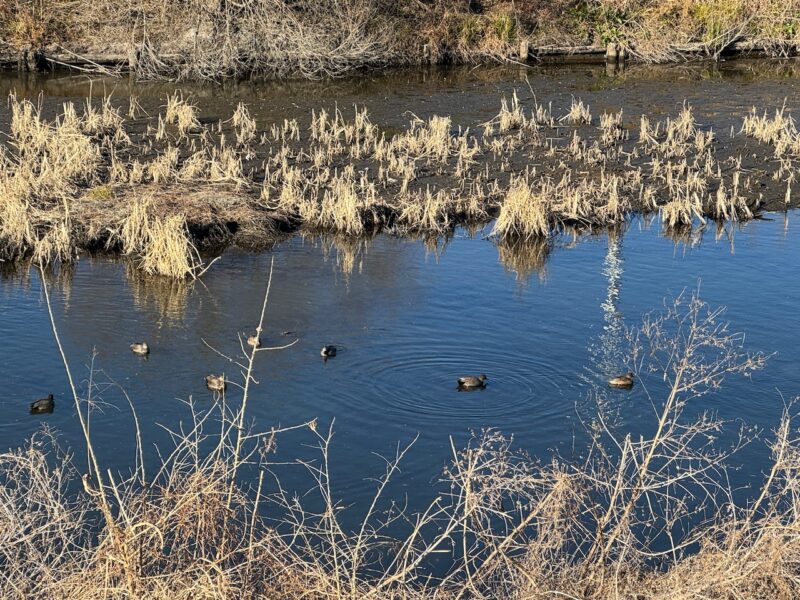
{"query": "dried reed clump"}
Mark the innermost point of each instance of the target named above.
(50, 158)
(526, 211)
(730, 205)
(347, 204)
(169, 251)
(635, 515)
(578, 114)
(161, 243)
(512, 117)
(431, 140)
(244, 125)
(533, 209)
(612, 130)
(427, 211)
(780, 131)
(182, 114)
(682, 210)
(46, 163)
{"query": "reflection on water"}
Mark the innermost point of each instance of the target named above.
(390, 81)
(525, 259)
(347, 252)
(163, 297)
(611, 347)
(406, 327)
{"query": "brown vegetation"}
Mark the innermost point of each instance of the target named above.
(212, 39)
(164, 188)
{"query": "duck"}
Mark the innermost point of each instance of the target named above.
(622, 381)
(140, 348)
(43, 405)
(216, 383)
(254, 341)
(328, 352)
(470, 382)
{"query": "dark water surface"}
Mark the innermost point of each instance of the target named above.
(721, 93)
(408, 318)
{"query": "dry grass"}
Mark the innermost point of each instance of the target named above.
(77, 179)
(525, 213)
(201, 523)
(315, 38)
(162, 244)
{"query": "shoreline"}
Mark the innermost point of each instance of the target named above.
(120, 64)
(164, 187)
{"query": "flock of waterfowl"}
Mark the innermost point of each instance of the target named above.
(217, 383)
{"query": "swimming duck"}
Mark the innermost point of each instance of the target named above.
(622, 381)
(43, 405)
(254, 341)
(216, 383)
(471, 382)
(140, 348)
(328, 352)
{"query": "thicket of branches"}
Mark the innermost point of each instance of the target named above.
(214, 39)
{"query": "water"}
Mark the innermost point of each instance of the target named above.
(721, 93)
(408, 323)
(409, 318)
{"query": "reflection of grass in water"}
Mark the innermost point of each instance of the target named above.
(166, 296)
(525, 258)
(435, 245)
(348, 251)
(688, 236)
(58, 276)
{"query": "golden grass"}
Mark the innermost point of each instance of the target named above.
(66, 179)
(182, 114)
(161, 243)
(525, 212)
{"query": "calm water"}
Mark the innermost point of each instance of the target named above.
(408, 322)
(408, 318)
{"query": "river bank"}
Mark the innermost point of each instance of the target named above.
(311, 38)
(167, 183)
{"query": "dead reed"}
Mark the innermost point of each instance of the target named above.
(87, 178)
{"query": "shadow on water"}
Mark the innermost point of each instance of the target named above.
(389, 81)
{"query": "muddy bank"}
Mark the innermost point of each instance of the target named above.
(198, 40)
(165, 183)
